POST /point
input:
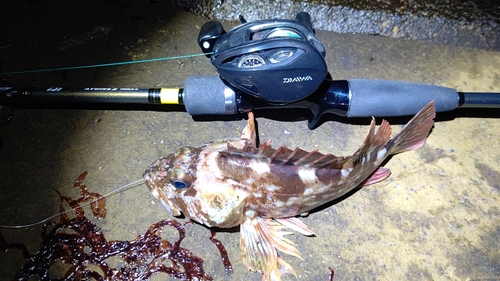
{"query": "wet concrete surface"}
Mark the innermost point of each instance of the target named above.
(435, 218)
(471, 23)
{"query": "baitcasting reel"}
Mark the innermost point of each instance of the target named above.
(279, 61)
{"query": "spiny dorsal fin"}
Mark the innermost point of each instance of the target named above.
(249, 130)
(286, 156)
(300, 157)
(246, 148)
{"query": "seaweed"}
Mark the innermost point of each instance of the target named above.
(332, 273)
(81, 244)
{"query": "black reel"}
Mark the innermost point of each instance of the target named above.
(280, 61)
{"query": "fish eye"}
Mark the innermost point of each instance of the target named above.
(180, 184)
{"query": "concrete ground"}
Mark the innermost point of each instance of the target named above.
(435, 218)
(470, 23)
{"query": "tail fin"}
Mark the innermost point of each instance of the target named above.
(414, 134)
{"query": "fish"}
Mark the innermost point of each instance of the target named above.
(234, 182)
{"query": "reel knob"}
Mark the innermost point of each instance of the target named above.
(210, 32)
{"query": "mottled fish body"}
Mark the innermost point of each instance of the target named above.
(233, 182)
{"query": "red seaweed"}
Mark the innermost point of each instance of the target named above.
(97, 202)
(332, 273)
(79, 243)
(223, 253)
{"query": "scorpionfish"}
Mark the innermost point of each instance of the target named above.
(233, 182)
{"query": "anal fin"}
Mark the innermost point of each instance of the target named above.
(297, 225)
(379, 175)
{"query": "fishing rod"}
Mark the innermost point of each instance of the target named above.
(269, 64)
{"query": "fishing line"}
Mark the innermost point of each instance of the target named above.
(104, 64)
(120, 189)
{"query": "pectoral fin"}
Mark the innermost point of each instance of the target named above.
(260, 240)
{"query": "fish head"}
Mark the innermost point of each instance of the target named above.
(190, 182)
(168, 176)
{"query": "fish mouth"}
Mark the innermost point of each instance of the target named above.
(169, 206)
(157, 191)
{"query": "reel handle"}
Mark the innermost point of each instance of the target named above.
(304, 19)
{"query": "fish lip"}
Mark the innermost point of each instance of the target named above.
(160, 195)
(170, 207)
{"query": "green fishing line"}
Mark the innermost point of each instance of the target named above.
(104, 64)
